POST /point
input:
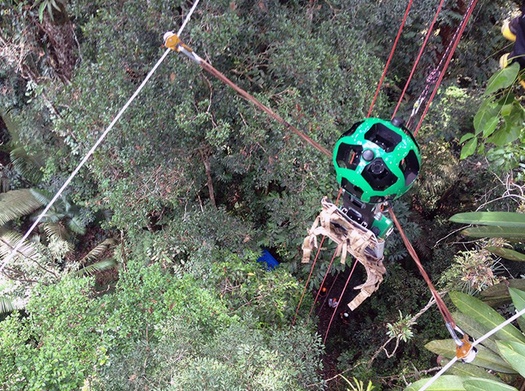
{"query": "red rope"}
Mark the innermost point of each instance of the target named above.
(419, 55)
(339, 301)
(462, 27)
(322, 284)
(308, 280)
(328, 294)
(392, 51)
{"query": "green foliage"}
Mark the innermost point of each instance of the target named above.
(316, 64)
(498, 123)
(401, 329)
(471, 272)
(502, 353)
(17, 203)
(54, 348)
(154, 329)
(358, 385)
(271, 297)
(506, 225)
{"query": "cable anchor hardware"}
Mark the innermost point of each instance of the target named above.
(173, 42)
(464, 349)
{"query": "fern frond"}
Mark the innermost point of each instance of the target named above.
(42, 196)
(12, 127)
(10, 239)
(27, 166)
(100, 266)
(56, 230)
(17, 203)
(7, 305)
(98, 251)
(59, 237)
(76, 225)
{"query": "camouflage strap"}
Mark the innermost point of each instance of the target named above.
(350, 238)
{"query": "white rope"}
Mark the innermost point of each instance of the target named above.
(477, 342)
(92, 150)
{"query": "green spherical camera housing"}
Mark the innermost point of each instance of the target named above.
(377, 160)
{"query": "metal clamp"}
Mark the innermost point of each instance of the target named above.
(464, 349)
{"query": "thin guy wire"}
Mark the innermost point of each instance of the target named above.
(91, 151)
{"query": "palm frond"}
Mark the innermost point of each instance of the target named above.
(4, 184)
(98, 251)
(7, 305)
(100, 266)
(27, 166)
(76, 225)
(56, 230)
(17, 203)
(58, 233)
(10, 239)
(42, 196)
(12, 127)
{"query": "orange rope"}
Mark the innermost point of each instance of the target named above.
(392, 51)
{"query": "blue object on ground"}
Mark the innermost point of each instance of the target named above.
(266, 257)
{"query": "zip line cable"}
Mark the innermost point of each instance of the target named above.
(477, 342)
(93, 148)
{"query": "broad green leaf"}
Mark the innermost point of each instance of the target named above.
(512, 233)
(500, 219)
(503, 78)
(490, 126)
(514, 353)
(41, 11)
(518, 299)
(486, 385)
(466, 137)
(485, 315)
(468, 370)
(469, 148)
(485, 358)
(499, 293)
(443, 383)
(506, 110)
(506, 253)
(506, 135)
(487, 112)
